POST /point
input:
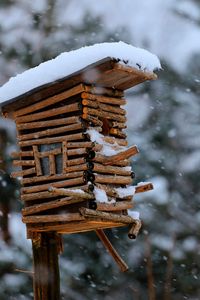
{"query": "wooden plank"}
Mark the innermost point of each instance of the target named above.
(71, 193)
(37, 160)
(118, 180)
(104, 107)
(99, 168)
(53, 218)
(52, 164)
(99, 158)
(96, 90)
(117, 206)
(59, 184)
(49, 123)
(36, 208)
(49, 132)
(104, 99)
(53, 140)
(89, 213)
(49, 101)
(21, 154)
(75, 161)
(117, 133)
(92, 119)
(74, 227)
(23, 172)
(103, 114)
(118, 125)
(49, 113)
(109, 160)
(62, 84)
(65, 156)
(52, 177)
(23, 163)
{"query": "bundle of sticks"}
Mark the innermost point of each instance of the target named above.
(75, 167)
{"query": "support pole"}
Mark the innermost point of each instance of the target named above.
(46, 282)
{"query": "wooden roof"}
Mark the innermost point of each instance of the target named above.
(104, 73)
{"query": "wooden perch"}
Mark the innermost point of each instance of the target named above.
(134, 230)
(70, 192)
(89, 213)
(102, 236)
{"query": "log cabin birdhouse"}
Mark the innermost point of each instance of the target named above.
(74, 158)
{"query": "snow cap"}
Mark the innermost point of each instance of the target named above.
(69, 62)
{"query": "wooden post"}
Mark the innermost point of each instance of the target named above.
(46, 282)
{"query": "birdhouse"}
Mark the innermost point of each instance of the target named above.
(74, 157)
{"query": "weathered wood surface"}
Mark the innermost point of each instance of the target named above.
(49, 101)
(117, 206)
(104, 107)
(104, 239)
(46, 279)
(73, 227)
(49, 113)
(99, 158)
(57, 177)
(70, 192)
(100, 168)
(37, 208)
(134, 230)
(51, 123)
(52, 131)
(104, 114)
(104, 99)
(106, 67)
(58, 184)
(52, 140)
(70, 217)
(109, 179)
(89, 213)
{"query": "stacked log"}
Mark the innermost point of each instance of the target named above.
(74, 160)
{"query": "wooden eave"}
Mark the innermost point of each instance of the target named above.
(104, 73)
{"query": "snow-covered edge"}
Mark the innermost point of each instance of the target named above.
(69, 62)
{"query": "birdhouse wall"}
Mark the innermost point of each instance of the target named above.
(68, 183)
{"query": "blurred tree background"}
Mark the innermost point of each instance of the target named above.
(163, 120)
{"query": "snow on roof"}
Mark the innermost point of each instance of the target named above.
(69, 62)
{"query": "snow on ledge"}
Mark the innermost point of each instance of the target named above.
(69, 62)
